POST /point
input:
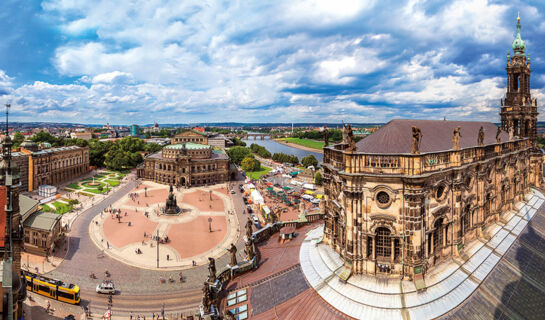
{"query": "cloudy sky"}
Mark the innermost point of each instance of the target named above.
(140, 61)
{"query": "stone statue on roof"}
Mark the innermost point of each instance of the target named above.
(233, 252)
(498, 135)
(249, 229)
(326, 136)
(480, 138)
(348, 137)
(456, 139)
(250, 253)
(211, 269)
(417, 136)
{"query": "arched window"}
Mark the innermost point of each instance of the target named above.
(438, 235)
(383, 244)
(466, 220)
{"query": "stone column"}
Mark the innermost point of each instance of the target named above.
(374, 245)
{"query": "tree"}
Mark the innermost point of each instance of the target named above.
(18, 138)
(250, 163)
(260, 150)
(238, 142)
(318, 178)
(309, 160)
(237, 154)
(75, 142)
(152, 147)
(43, 136)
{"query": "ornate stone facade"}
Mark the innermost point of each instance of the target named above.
(186, 163)
(54, 166)
(414, 192)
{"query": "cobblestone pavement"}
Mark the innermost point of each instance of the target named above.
(139, 288)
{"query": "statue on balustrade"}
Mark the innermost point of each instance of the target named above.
(211, 269)
(233, 251)
(456, 139)
(480, 138)
(498, 135)
(417, 136)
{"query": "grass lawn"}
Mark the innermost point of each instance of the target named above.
(61, 208)
(255, 175)
(73, 186)
(113, 183)
(306, 142)
(96, 191)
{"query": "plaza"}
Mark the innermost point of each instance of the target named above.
(204, 228)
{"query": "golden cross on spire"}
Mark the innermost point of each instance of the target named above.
(518, 16)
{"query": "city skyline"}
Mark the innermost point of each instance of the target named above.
(93, 63)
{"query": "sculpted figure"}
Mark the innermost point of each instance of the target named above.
(326, 136)
(480, 138)
(456, 139)
(212, 269)
(350, 139)
(249, 229)
(233, 252)
(250, 249)
(511, 133)
(498, 135)
(417, 136)
(206, 301)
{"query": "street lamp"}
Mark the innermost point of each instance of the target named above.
(209, 224)
(157, 248)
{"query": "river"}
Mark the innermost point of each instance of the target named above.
(274, 146)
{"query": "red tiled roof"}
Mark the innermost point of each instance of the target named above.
(395, 137)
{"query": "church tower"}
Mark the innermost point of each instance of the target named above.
(518, 109)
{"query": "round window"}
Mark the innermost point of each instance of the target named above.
(440, 191)
(383, 198)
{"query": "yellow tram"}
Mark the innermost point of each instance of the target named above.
(51, 288)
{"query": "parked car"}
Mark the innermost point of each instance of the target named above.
(232, 191)
(256, 221)
(106, 287)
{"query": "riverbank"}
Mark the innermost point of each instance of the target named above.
(298, 146)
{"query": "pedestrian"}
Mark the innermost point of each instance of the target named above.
(168, 257)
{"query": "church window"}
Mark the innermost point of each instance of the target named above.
(383, 198)
(383, 243)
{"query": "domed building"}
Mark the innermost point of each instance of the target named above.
(188, 161)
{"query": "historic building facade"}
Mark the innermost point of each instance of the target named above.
(415, 191)
(54, 166)
(186, 163)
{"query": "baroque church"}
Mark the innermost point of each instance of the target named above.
(414, 192)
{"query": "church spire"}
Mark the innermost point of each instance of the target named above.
(518, 43)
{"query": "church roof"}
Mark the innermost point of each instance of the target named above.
(395, 137)
(188, 146)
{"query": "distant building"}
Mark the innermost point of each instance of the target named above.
(134, 130)
(51, 165)
(81, 135)
(186, 162)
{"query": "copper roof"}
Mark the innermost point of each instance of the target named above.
(395, 137)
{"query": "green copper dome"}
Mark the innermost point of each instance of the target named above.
(518, 43)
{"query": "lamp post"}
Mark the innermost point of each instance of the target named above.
(209, 224)
(157, 248)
